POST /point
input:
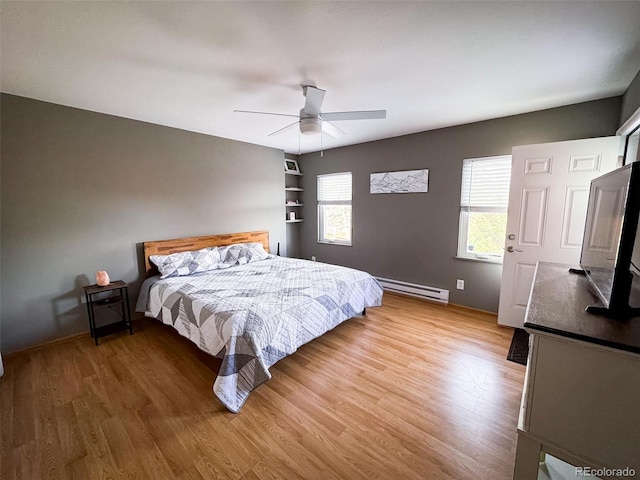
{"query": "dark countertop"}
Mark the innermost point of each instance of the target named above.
(557, 305)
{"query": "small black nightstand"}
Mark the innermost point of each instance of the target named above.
(119, 296)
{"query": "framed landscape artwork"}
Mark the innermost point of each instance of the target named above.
(408, 181)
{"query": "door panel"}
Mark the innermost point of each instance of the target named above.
(575, 213)
(537, 165)
(524, 277)
(584, 163)
(533, 213)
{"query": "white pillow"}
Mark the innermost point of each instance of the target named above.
(187, 263)
(241, 253)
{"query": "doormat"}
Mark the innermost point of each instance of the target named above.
(519, 349)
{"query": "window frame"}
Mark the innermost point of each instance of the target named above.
(463, 221)
(320, 211)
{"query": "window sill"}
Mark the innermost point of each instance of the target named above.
(497, 261)
(335, 243)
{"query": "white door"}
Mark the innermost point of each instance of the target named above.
(547, 209)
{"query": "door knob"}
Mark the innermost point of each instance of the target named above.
(510, 249)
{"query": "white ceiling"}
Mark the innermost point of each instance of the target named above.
(430, 64)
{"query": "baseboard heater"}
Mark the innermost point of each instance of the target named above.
(421, 291)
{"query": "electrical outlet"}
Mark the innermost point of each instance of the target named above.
(460, 284)
(313, 258)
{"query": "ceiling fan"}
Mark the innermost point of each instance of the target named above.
(312, 121)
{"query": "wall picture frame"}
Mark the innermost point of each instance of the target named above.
(407, 181)
(291, 166)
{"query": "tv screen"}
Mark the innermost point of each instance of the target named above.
(609, 247)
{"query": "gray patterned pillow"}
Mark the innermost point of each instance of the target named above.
(241, 253)
(187, 263)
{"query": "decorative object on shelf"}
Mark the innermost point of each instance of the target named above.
(291, 166)
(408, 181)
(102, 278)
(292, 215)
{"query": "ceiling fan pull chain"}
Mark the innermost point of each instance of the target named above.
(299, 150)
(321, 148)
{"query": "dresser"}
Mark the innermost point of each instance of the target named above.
(581, 396)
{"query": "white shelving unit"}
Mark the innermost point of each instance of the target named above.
(292, 190)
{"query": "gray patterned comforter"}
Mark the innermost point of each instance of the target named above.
(253, 315)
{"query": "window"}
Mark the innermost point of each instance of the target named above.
(334, 208)
(483, 207)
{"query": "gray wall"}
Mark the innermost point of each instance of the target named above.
(631, 99)
(413, 237)
(82, 190)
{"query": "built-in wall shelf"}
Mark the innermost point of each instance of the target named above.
(293, 194)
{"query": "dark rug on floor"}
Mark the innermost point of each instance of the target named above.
(519, 349)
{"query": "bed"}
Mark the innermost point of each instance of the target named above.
(249, 311)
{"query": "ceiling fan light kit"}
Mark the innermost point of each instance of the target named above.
(310, 126)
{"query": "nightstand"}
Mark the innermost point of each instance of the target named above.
(110, 296)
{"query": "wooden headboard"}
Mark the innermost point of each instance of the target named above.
(166, 247)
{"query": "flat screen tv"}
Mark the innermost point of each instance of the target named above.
(611, 245)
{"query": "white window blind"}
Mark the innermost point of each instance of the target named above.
(334, 188)
(483, 208)
(485, 184)
(334, 208)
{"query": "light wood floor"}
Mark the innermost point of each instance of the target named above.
(412, 390)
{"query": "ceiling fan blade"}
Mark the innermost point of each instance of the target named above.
(314, 97)
(283, 129)
(331, 129)
(356, 115)
(266, 113)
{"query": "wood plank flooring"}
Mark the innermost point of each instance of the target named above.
(412, 390)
